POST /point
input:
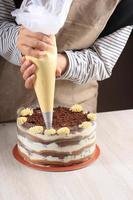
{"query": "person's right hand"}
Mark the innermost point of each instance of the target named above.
(28, 69)
(33, 44)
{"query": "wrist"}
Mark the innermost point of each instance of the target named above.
(62, 62)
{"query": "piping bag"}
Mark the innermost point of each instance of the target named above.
(47, 17)
(45, 81)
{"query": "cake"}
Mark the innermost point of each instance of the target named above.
(72, 139)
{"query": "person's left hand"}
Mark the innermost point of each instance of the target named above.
(28, 69)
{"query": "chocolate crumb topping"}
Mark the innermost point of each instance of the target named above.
(62, 117)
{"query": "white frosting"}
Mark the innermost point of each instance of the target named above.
(36, 146)
(26, 111)
(89, 151)
(63, 131)
(36, 130)
(50, 131)
(83, 133)
(76, 108)
(85, 125)
(21, 120)
(92, 116)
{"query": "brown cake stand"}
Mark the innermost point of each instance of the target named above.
(49, 168)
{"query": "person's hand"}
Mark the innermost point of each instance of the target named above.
(28, 72)
(28, 69)
(32, 44)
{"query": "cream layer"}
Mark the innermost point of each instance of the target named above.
(36, 146)
(32, 156)
(81, 133)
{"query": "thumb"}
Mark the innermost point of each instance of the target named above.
(58, 72)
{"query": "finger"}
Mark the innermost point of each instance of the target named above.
(32, 52)
(30, 82)
(29, 71)
(35, 44)
(25, 65)
(39, 36)
(22, 59)
(58, 72)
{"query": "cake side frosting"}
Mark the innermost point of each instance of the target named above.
(54, 160)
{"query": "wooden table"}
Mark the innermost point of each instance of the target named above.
(109, 178)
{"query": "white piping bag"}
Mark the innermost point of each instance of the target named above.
(45, 16)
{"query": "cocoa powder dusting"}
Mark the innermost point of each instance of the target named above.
(62, 117)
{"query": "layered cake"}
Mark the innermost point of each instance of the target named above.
(72, 139)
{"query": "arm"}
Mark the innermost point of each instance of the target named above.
(8, 32)
(97, 62)
(15, 40)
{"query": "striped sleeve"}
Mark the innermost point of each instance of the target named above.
(8, 32)
(96, 62)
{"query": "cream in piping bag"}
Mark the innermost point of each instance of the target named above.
(45, 81)
(46, 17)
